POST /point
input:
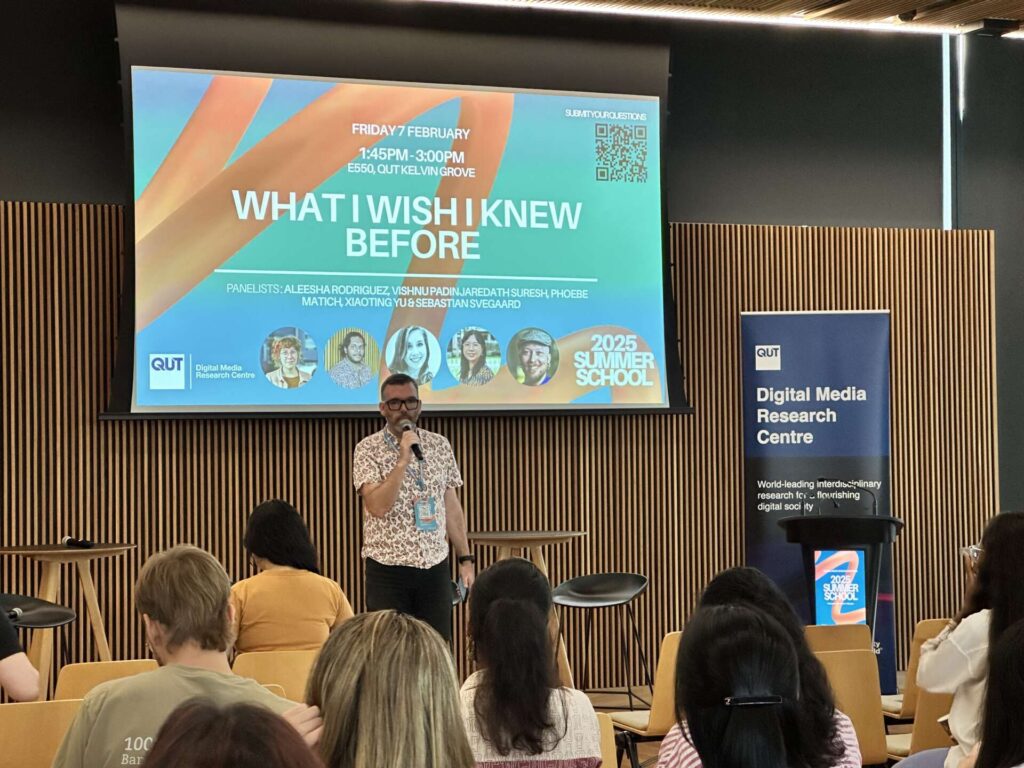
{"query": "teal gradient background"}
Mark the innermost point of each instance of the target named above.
(548, 156)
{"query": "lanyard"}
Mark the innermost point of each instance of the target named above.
(420, 482)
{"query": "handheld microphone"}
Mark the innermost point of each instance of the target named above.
(862, 489)
(71, 541)
(417, 451)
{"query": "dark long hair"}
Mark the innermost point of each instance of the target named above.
(481, 337)
(508, 626)
(1002, 740)
(199, 733)
(1000, 573)
(277, 533)
(820, 744)
(731, 652)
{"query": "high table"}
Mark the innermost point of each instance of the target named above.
(533, 542)
(52, 557)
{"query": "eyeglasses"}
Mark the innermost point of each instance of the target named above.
(410, 403)
(973, 551)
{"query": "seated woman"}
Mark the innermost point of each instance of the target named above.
(827, 738)
(386, 689)
(957, 660)
(514, 709)
(288, 605)
(199, 733)
(738, 681)
(1002, 740)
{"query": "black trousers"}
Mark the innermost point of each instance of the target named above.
(425, 593)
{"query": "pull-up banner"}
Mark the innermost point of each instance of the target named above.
(816, 442)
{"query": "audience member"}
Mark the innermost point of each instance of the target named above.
(826, 736)
(183, 596)
(1002, 740)
(957, 660)
(18, 678)
(288, 605)
(199, 734)
(386, 687)
(515, 712)
(738, 681)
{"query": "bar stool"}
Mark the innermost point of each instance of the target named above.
(607, 590)
(33, 613)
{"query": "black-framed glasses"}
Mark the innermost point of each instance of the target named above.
(410, 403)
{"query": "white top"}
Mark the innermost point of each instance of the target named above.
(956, 661)
(579, 748)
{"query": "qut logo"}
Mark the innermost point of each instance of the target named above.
(767, 357)
(166, 371)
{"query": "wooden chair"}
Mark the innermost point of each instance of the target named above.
(34, 731)
(901, 706)
(839, 637)
(289, 669)
(854, 679)
(609, 752)
(636, 726)
(926, 733)
(76, 680)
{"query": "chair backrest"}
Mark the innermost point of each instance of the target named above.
(34, 731)
(663, 703)
(924, 631)
(289, 669)
(609, 753)
(927, 733)
(839, 637)
(853, 676)
(76, 680)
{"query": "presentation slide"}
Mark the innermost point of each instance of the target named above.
(298, 239)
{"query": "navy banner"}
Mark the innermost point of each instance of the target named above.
(816, 442)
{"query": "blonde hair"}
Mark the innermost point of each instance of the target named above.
(387, 691)
(187, 591)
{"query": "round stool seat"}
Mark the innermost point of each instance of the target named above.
(599, 590)
(35, 613)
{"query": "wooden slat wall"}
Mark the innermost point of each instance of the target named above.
(660, 495)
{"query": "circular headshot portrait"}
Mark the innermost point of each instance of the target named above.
(288, 357)
(473, 356)
(414, 351)
(352, 358)
(532, 357)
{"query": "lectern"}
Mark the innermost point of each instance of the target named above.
(861, 532)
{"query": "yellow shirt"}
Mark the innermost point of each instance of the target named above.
(286, 609)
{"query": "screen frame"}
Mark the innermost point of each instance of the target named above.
(121, 402)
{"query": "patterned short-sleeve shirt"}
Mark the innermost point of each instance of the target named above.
(394, 538)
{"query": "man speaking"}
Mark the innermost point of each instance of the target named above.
(407, 478)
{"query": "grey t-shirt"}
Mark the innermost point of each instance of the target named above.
(119, 719)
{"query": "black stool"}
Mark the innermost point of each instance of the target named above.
(607, 590)
(32, 613)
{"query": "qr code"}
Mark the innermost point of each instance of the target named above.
(621, 152)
